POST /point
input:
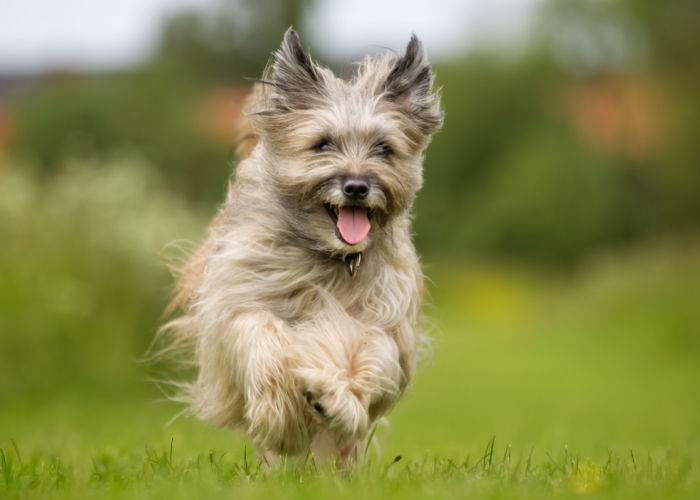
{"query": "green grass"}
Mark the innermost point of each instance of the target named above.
(539, 385)
(158, 472)
(542, 383)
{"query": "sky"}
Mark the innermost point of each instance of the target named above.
(40, 35)
(446, 27)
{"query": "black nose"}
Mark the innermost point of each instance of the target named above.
(355, 188)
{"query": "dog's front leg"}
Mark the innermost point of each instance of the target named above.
(273, 411)
(343, 369)
(348, 383)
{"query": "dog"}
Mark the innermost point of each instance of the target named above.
(302, 307)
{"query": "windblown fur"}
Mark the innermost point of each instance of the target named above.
(299, 338)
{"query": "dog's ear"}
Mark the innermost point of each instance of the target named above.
(410, 85)
(294, 75)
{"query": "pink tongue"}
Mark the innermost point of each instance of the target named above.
(353, 224)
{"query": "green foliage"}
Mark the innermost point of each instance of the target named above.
(511, 173)
(662, 34)
(155, 114)
(81, 285)
(233, 42)
(507, 174)
(549, 198)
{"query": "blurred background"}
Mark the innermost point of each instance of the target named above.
(559, 221)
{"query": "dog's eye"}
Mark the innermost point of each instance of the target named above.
(383, 149)
(322, 145)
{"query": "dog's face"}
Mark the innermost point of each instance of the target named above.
(345, 156)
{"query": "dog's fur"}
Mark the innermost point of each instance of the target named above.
(296, 340)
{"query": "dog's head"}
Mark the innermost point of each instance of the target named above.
(345, 156)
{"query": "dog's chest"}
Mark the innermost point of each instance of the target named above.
(379, 299)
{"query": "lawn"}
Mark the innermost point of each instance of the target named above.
(541, 384)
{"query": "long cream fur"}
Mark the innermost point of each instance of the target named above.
(289, 347)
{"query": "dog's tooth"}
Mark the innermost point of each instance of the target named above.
(335, 209)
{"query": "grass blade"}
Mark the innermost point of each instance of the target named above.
(6, 473)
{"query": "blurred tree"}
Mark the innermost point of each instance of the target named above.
(234, 41)
(148, 113)
(621, 34)
(154, 109)
(586, 137)
(653, 44)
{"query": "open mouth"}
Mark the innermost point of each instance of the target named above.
(352, 223)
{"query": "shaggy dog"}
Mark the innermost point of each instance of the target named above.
(302, 307)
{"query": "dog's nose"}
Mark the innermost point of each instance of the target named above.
(356, 188)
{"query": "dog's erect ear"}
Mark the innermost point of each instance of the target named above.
(292, 71)
(410, 84)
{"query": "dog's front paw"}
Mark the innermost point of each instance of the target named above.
(313, 402)
(339, 411)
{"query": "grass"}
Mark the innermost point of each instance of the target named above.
(542, 383)
(539, 385)
(494, 472)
